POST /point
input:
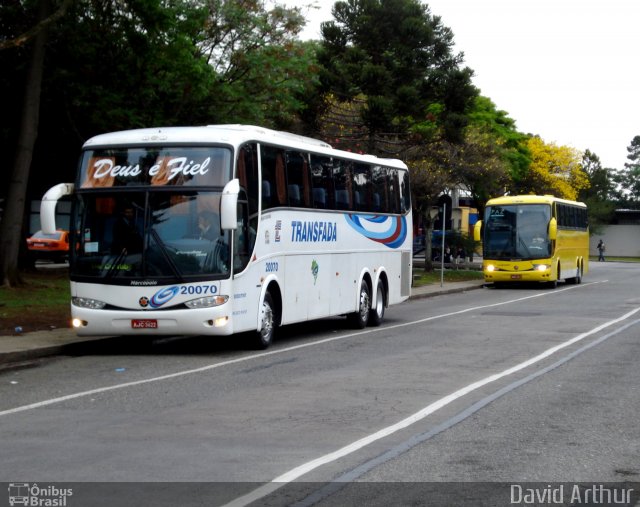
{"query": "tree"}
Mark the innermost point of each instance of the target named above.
(120, 65)
(429, 179)
(263, 72)
(597, 196)
(478, 165)
(398, 58)
(628, 179)
(509, 144)
(11, 225)
(42, 24)
(554, 170)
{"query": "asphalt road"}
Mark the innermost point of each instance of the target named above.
(461, 399)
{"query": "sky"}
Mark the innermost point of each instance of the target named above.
(566, 70)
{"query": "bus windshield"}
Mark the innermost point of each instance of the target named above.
(172, 235)
(517, 231)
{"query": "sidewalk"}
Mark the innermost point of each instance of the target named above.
(39, 344)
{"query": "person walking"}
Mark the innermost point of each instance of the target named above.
(601, 249)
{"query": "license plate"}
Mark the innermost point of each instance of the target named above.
(516, 277)
(144, 323)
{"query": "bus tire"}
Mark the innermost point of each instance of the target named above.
(578, 278)
(264, 337)
(359, 318)
(376, 314)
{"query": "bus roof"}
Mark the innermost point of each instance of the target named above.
(234, 135)
(530, 199)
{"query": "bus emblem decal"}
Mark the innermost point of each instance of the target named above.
(163, 296)
(388, 230)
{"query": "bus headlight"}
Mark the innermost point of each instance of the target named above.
(491, 268)
(207, 302)
(92, 304)
(540, 267)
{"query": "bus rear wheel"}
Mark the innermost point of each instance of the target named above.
(264, 337)
(359, 318)
(578, 278)
(377, 312)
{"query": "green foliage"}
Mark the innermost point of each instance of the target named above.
(142, 63)
(421, 277)
(597, 196)
(628, 179)
(399, 57)
(510, 144)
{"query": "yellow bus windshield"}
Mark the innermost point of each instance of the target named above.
(517, 231)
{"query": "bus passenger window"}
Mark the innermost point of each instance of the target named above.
(273, 174)
(342, 199)
(322, 182)
(319, 198)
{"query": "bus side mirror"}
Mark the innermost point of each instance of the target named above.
(553, 229)
(229, 205)
(477, 229)
(48, 206)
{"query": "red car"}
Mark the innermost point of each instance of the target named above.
(49, 246)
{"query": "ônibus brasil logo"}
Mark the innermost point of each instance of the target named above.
(23, 493)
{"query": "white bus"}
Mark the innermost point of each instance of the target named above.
(229, 228)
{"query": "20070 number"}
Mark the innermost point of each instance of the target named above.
(198, 289)
(271, 267)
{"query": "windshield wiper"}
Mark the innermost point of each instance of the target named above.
(522, 242)
(166, 256)
(116, 263)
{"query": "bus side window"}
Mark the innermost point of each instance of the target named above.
(274, 188)
(247, 173)
(342, 179)
(298, 181)
(380, 189)
(394, 191)
(243, 236)
(319, 198)
(362, 187)
(281, 181)
(322, 182)
(405, 191)
(342, 199)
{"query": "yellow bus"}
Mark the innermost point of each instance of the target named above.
(534, 238)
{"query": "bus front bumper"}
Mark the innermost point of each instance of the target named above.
(526, 273)
(205, 321)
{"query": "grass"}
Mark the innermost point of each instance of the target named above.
(594, 258)
(422, 277)
(42, 303)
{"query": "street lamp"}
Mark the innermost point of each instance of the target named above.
(433, 212)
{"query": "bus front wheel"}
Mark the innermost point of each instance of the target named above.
(264, 337)
(360, 317)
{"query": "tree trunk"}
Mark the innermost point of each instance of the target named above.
(13, 214)
(428, 251)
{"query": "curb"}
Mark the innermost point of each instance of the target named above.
(75, 343)
(444, 291)
(30, 354)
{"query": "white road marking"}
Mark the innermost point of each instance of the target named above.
(91, 392)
